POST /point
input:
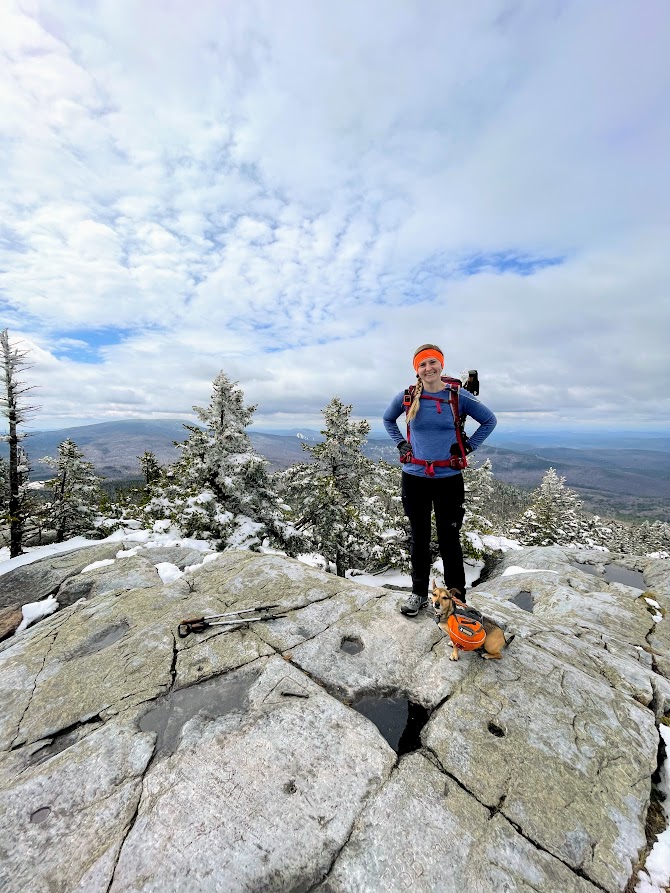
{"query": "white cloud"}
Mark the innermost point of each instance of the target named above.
(302, 193)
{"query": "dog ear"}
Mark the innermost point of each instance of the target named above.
(434, 584)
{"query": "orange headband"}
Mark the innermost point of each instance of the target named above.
(425, 354)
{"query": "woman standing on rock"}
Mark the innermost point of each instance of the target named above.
(432, 464)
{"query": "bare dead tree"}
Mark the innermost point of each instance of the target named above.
(16, 409)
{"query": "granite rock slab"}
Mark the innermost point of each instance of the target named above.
(231, 760)
(392, 645)
(554, 742)
(440, 839)
(135, 572)
(260, 799)
(182, 557)
(63, 821)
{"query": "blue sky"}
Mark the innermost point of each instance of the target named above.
(301, 193)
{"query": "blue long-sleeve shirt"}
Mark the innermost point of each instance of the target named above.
(433, 432)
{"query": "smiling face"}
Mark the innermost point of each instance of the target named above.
(429, 371)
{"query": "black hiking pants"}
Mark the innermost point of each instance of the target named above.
(420, 495)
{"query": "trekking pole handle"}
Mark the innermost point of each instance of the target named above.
(194, 625)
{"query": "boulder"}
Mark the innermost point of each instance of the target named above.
(533, 737)
(33, 582)
(123, 573)
(73, 812)
(262, 797)
(390, 646)
(657, 576)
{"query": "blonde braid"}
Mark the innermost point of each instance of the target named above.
(414, 408)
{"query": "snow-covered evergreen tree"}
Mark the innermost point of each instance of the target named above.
(386, 525)
(554, 517)
(617, 536)
(150, 466)
(129, 502)
(479, 488)
(505, 504)
(219, 488)
(74, 492)
(326, 495)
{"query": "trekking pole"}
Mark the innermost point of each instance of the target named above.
(259, 610)
(198, 624)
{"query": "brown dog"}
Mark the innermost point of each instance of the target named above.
(445, 602)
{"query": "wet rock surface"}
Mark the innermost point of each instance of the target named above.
(336, 748)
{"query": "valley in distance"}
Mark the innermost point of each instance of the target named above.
(621, 475)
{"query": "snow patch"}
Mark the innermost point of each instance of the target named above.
(128, 553)
(35, 553)
(657, 617)
(206, 560)
(36, 611)
(513, 569)
(96, 564)
(168, 572)
(500, 543)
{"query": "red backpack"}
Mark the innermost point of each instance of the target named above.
(453, 385)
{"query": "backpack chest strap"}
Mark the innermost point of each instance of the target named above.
(438, 400)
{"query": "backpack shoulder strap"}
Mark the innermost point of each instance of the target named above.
(470, 613)
(408, 397)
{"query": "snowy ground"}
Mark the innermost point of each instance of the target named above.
(397, 580)
(139, 537)
(155, 538)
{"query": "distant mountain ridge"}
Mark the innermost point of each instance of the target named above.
(632, 482)
(112, 447)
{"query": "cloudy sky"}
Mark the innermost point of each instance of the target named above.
(300, 193)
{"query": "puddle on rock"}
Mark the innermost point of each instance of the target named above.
(351, 644)
(40, 815)
(214, 697)
(102, 639)
(523, 599)
(400, 721)
(589, 569)
(614, 573)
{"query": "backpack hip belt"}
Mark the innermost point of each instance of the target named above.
(455, 462)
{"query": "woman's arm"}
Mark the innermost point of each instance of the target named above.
(390, 418)
(480, 413)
